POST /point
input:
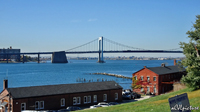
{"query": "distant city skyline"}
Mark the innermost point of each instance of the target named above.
(49, 25)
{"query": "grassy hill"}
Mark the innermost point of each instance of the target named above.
(155, 104)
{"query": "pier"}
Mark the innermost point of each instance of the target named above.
(115, 75)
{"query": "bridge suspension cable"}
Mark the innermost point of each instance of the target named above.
(108, 45)
(89, 45)
(120, 46)
(174, 49)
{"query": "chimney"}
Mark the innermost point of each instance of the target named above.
(5, 83)
(174, 62)
(163, 65)
(145, 67)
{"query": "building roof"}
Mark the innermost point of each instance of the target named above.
(35, 91)
(166, 69)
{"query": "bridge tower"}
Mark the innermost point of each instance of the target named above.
(100, 45)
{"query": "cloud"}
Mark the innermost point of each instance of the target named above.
(90, 20)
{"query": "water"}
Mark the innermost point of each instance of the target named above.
(34, 74)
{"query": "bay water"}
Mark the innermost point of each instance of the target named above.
(34, 74)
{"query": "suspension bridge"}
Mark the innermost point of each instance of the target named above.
(100, 46)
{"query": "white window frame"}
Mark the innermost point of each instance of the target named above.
(104, 97)
(62, 102)
(89, 99)
(135, 77)
(141, 89)
(116, 96)
(148, 89)
(95, 98)
(142, 78)
(37, 106)
(42, 104)
(154, 89)
(148, 77)
(78, 100)
(74, 99)
(153, 78)
(85, 100)
(23, 106)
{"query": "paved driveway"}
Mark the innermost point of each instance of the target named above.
(138, 99)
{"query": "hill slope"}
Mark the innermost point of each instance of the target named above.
(155, 104)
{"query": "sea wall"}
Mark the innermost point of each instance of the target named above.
(115, 75)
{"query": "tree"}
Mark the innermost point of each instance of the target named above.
(137, 84)
(192, 59)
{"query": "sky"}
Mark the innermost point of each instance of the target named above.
(56, 25)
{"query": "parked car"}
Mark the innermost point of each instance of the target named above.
(126, 95)
(103, 104)
(136, 95)
(113, 103)
(95, 106)
(73, 108)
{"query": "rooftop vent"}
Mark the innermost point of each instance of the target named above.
(163, 65)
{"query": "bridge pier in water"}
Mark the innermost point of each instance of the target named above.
(59, 57)
(100, 45)
(23, 59)
(38, 58)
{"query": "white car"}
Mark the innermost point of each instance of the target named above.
(95, 106)
(103, 104)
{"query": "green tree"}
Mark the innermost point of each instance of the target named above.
(135, 83)
(191, 51)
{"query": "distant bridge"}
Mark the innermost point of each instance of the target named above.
(103, 47)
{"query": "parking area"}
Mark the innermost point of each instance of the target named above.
(125, 101)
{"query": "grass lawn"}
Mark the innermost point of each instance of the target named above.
(155, 104)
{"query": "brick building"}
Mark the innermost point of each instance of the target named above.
(55, 97)
(159, 79)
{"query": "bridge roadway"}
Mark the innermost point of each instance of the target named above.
(82, 52)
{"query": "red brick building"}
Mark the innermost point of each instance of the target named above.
(159, 79)
(55, 97)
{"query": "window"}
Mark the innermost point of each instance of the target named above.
(148, 78)
(116, 96)
(85, 99)
(154, 89)
(135, 77)
(41, 104)
(142, 90)
(95, 98)
(37, 105)
(142, 78)
(23, 106)
(62, 102)
(74, 100)
(154, 78)
(89, 99)
(148, 89)
(104, 97)
(78, 100)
